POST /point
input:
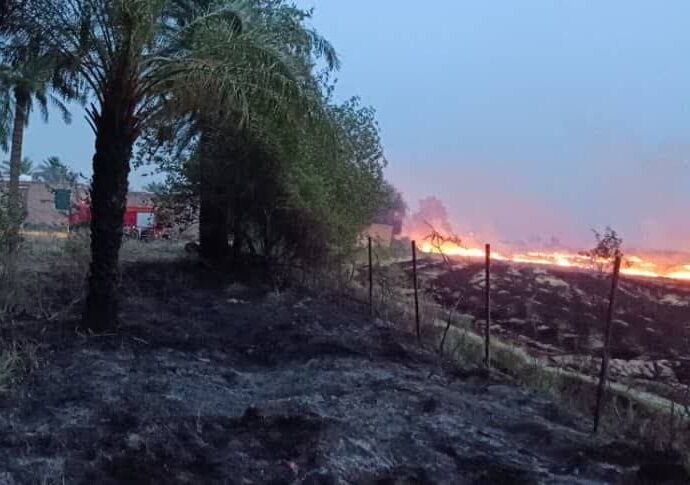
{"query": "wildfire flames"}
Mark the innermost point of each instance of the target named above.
(422, 227)
(632, 265)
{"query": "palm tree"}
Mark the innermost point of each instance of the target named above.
(135, 57)
(29, 78)
(26, 167)
(154, 187)
(53, 171)
(222, 139)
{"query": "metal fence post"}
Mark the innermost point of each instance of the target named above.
(416, 296)
(487, 302)
(371, 282)
(607, 342)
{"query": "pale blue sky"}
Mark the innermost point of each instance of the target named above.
(525, 117)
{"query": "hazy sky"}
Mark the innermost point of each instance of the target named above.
(525, 117)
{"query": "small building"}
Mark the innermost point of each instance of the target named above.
(39, 205)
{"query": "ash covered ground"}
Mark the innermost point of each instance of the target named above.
(209, 383)
(560, 313)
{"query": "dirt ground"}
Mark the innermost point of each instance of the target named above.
(208, 382)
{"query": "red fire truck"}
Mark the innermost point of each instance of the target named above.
(139, 222)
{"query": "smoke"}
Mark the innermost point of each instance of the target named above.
(642, 192)
(492, 222)
(645, 195)
(431, 212)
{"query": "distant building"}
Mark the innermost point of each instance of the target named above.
(38, 202)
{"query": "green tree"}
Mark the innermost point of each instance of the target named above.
(31, 76)
(53, 171)
(220, 135)
(137, 56)
(155, 187)
(26, 167)
(302, 192)
(393, 209)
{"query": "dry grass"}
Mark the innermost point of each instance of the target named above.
(154, 251)
(651, 420)
(10, 367)
(41, 282)
(17, 358)
(45, 282)
(49, 274)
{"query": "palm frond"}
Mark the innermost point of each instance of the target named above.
(62, 108)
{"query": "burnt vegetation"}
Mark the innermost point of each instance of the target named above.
(608, 246)
(247, 353)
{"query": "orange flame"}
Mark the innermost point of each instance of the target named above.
(683, 274)
(634, 265)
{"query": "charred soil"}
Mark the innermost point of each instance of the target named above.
(207, 382)
(559, 313)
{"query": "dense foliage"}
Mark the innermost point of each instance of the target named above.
(302, 197)
(295, 185)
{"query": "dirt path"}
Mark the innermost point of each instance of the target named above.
(236, 386)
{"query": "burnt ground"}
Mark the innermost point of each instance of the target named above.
(208, 383)
(559, 312)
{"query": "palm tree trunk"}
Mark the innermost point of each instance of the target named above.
(213, 215)
(115, 136)
(14, 202)
(214, 198)
(237, 235)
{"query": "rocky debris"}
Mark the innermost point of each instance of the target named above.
(196, 388)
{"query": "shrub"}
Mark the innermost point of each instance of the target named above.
(607, 248)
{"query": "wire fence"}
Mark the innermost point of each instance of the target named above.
(613, 347)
